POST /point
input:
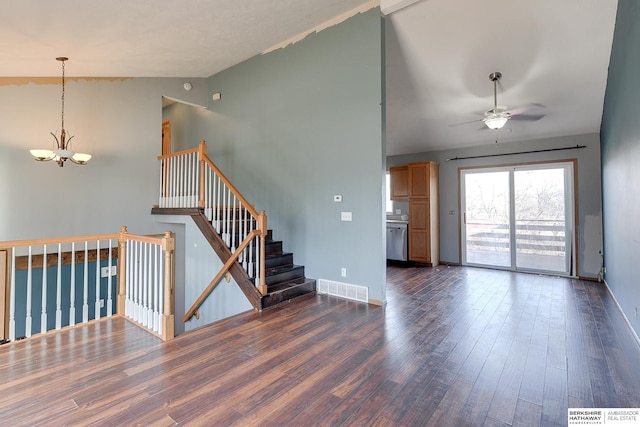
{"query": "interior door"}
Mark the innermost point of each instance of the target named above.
(519, 218)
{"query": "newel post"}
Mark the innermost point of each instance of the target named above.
(202, 152)
(168, 247)
(122, 271)
(262, 225)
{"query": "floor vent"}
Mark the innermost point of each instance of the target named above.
(343, 290)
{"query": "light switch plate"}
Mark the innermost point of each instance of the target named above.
(346, 216)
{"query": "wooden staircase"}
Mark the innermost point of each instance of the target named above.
(284, 279)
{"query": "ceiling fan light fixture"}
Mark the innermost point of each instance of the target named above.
(496, 121)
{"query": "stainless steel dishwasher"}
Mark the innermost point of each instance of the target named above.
(397, 240)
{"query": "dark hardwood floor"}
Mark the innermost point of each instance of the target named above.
(452, 347)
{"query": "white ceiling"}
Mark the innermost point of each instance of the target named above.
(150, 38)
(439, 54)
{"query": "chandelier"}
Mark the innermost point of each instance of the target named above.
(61, 151)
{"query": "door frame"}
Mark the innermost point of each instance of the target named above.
(572, 251)
(166, 137)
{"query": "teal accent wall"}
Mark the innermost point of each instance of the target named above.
(65, 295)
(620, 143)
(298, 125)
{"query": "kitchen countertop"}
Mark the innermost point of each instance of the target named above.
(397, 221)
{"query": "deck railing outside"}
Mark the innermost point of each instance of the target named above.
(49, 284)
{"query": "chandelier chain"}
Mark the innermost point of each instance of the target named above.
(62, 95)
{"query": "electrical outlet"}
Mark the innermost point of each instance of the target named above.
(635, 312)
(343, 272)
(105, 272)
(101, 303)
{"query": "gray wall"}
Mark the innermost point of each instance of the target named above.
(298, 125)
(118, 121)
(184, 132)
(589, 190)
(196, 265)
(620, 134)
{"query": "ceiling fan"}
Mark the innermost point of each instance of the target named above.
(498, 116)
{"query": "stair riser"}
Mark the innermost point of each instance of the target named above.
(278, 260)
(285, 276)
(273, 248)
(307, 289)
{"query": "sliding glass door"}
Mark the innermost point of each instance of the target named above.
(519, 218)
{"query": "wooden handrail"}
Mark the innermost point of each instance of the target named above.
(179, 153)
(248, 206)
(55, 240)
(212, 285)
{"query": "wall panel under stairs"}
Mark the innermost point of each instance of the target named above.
(284, 279)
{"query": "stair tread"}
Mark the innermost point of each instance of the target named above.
(282, 269)
(281, 287)
(281, 254)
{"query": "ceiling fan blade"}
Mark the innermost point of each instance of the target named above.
(527, 117)
(453, 125)
(525, 108)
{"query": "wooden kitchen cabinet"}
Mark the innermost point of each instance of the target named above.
(424, 224)
(419, 182)
(399, 182)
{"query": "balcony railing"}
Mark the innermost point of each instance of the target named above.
(49, 284)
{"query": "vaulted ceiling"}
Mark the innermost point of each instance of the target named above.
(553, 55)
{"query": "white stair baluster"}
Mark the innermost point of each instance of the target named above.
(59, 289)
(96, 313)
(257, 262)
(109, 283)
(161, 195)
(156, 302)
(217, 205)
(130, 266)
(43, 315)
(72, 287)
(160, 288)
(207, 194)
(148, 283)
(251, 258)
(196, 180)
(85, 286)
(139, 281)
(28, 319)
(12, 301)
(233, 224)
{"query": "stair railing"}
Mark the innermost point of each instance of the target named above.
(189, 179)
(72, 280)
